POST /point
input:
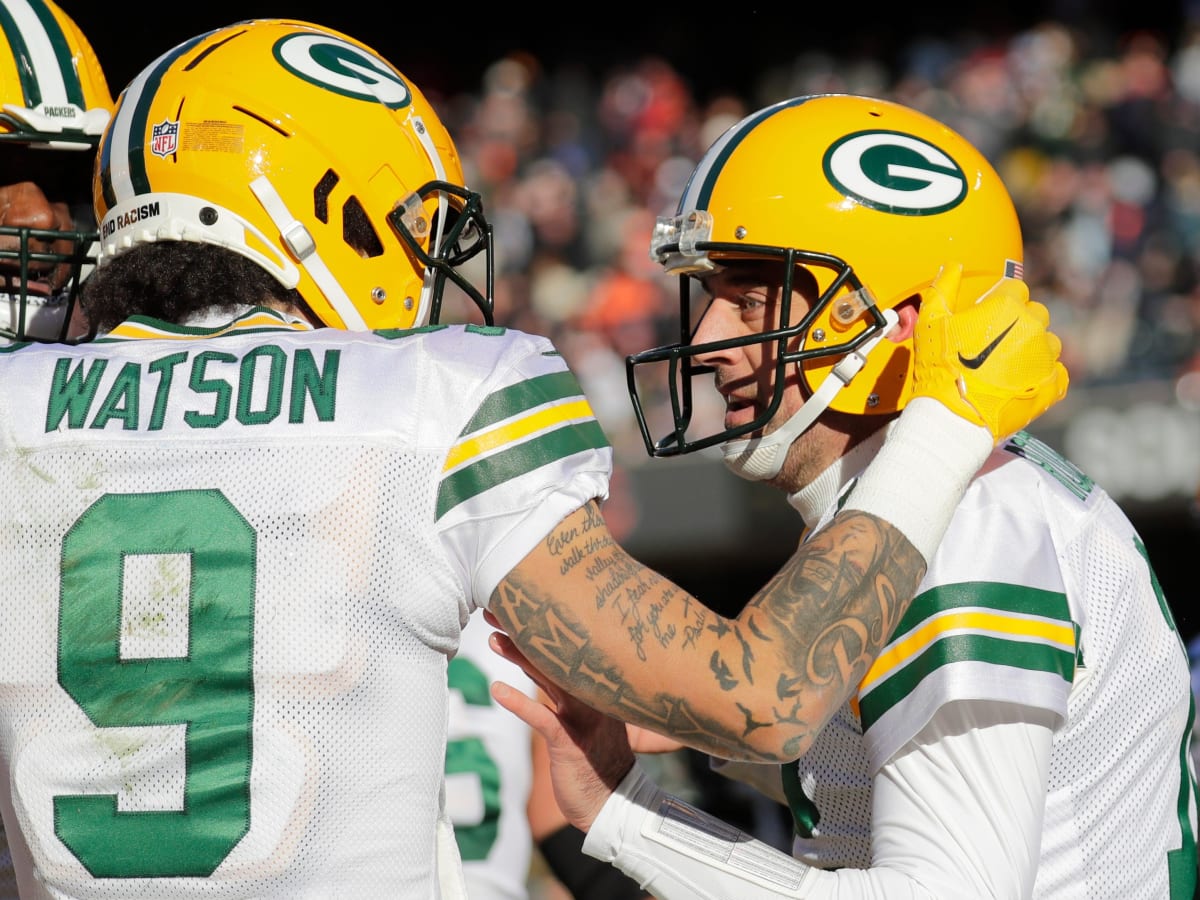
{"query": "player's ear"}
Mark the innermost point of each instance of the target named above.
(907, 311)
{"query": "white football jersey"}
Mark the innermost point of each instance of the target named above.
(239, 555)
(489, 770)
(1040, 595)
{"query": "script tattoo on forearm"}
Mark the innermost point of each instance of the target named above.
(559, 644)
(635, 594)
(808, 637)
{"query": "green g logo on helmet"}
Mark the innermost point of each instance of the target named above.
(342, 68)
(894, 172)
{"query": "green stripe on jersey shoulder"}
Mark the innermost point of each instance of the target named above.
(494, 470)
(997, 651)
(1001, 625)
(1063, 470)
(524, 395)
(987, 595)
(393, 333)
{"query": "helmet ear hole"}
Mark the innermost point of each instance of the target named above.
(358, 232)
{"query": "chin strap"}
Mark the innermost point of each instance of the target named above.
(761, 458)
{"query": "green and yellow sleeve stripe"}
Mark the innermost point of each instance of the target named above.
(515, 430)
(1003, 625)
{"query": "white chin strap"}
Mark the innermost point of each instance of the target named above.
(761, 458)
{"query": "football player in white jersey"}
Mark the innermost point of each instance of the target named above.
(1025, 731)
(54, 102)
(245, 524)
(498, 790)
(489, 770)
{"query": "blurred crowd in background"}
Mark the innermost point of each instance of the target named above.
(1096, 134)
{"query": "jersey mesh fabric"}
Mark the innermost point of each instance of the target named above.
(1040, 594)
(236, 621)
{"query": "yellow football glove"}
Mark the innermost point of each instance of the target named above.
(993, 362)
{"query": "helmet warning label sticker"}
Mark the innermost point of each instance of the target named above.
(214, 136)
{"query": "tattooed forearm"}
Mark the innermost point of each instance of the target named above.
(630, 604)
(847, 595)
(629, 642)
(560, 646)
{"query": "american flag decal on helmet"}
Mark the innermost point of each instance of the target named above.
(1014, 269)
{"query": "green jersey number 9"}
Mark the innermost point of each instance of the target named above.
(208, 688)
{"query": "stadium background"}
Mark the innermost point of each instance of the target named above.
(578, 125)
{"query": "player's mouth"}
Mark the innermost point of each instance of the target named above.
(739, 410)
(10, 283)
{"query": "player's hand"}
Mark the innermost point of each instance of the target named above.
(589, 752)
(993, 362)
(643, 740)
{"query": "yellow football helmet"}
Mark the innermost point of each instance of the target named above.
(869, 196)
(53, 97)
(305, 151)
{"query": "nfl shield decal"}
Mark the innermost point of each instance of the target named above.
(164, 138)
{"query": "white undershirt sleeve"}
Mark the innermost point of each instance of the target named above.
(917, 479)
(676, 851)
(957, 814)
(960, 807)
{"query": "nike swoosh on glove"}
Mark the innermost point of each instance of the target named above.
(993, 361)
